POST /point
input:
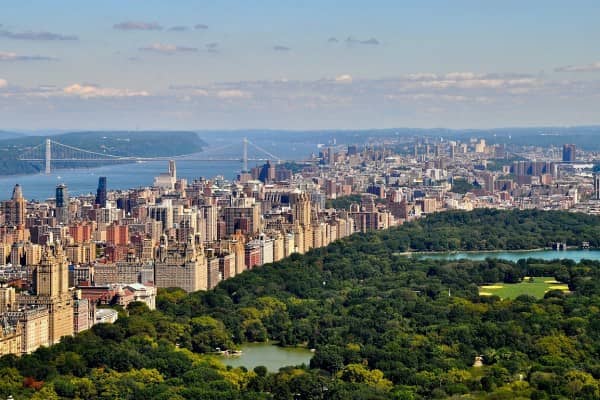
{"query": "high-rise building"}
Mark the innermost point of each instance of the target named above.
(62, 204)
(569, 153)
(101, 192)
(207, 216)
(8, 298)
(14, 209)
(51, 283)
(117, 235)
(163, 213)
(172, 169)
(597, 186)
(300, 203)
(244, 216)
(266, 174)
(167, 180)
(182, 265)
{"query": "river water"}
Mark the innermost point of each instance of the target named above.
(271, 356)
(575, 255)
(125, 176)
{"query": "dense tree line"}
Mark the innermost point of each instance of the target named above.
(484, 229)
(384, 326)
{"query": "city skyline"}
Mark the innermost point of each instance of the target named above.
(298, 66)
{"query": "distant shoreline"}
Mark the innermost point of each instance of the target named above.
(537, 249)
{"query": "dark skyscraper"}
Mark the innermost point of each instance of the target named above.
(101, 192)
(62, 195)
(568, 153)
(62, 204)
(267, 173)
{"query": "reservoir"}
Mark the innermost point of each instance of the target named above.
(514, 256)
(271, 356)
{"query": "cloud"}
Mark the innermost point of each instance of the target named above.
(281, 48)
(138, 26)
(178, 28)
(10, 56)
(580, 68)
(332, 40)
(200, 26)
(422, 98)
(225, 91)
(468, 80)
(426, 88)
(29, 35)
(168, 49)
(233, 94)
(345, 78)
(86, 91)
(371, 41)
(418, 76)
(352, 41)
(3, 83)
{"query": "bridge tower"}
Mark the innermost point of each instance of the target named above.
(48, 157)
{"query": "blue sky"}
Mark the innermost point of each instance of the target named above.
(298, 64)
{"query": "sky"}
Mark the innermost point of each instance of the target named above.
(181, 64)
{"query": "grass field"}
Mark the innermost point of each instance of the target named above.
(537, 288)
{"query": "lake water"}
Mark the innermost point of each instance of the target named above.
(271, 356)
(575, 255)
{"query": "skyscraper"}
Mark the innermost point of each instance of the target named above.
(14, 209)
(568, 153)
(62, 204)
(267, 173)
(300, 203)
(172, 169)
(101, 192)
(597, 186)
(51, 287)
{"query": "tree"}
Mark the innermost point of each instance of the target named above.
(208, 334)
(358, 373)
(329, 358)
(47, 392)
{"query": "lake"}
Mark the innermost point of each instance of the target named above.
(271, 356)
(575, 255)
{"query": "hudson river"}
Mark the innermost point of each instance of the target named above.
(125, 176)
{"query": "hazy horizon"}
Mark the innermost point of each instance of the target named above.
(298, 66)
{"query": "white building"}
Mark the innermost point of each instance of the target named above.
(106, 316)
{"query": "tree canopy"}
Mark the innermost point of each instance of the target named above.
(384, 326)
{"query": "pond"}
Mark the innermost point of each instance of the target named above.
(269, 355)
(575, 255)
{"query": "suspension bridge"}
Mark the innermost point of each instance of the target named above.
(51, 151)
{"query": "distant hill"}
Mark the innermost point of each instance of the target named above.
(10, 135)
(584, 137)
(120, 143)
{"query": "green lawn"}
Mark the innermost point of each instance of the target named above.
(537, 288)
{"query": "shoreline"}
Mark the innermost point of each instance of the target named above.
(450, 252)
